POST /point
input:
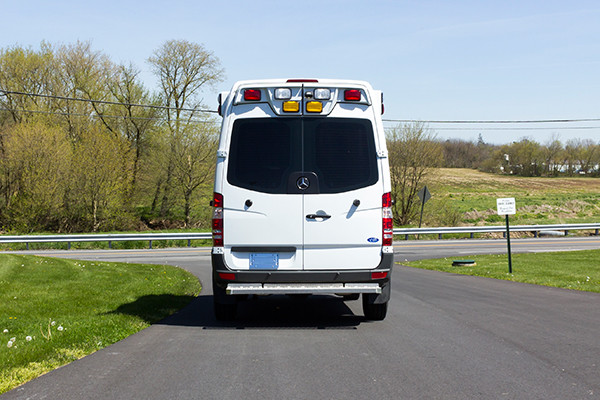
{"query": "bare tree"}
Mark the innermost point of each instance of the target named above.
(413, 153)
(184, 70)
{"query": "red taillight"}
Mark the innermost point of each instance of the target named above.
(379, 275)
(217, 220)
(352, 95)
(226, 276)
(387, 219)
(252, 94)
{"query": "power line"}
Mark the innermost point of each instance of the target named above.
(547, 128)
(97, 115)
(106, 102)
(539, 121)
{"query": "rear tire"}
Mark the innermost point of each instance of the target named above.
(374, 312)
(225, 306)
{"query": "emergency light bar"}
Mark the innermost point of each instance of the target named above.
(301, 96)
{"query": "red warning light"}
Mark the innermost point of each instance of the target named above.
(252, 94)
(352, 95)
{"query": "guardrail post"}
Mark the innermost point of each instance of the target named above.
(68, 245)
(596, 233)
(109, 244)
(27, 246)
(472, 235)
(566, 233)
(535, 234)
(405, 237)
(149, 244)
(189, 242)
(440, 236)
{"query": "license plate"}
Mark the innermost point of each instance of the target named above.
(264, 260)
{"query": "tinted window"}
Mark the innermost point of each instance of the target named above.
(342, 153)
(261, 155)
(265, 152)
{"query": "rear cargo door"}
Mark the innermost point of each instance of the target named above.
(262, 219)
(342, 214)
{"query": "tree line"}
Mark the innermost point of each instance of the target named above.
(526, 157)
(68, 165)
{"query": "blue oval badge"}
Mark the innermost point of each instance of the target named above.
(373, 240)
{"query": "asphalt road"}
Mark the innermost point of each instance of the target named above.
(445, 337)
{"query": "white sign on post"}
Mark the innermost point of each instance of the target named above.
(506, 206)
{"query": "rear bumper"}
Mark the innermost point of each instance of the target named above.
(309, 282)
(302, 288)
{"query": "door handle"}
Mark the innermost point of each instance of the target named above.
(315, 216)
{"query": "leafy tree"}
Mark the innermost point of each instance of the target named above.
(97, 197)
(34, 161)
(25, 71)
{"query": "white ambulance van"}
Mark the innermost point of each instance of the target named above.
(302, 194)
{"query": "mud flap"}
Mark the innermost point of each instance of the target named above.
(384, 297)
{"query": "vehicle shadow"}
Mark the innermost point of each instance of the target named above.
(153, 308)
(271, 312)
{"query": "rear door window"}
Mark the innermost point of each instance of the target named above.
(341, 152)
(265, 152)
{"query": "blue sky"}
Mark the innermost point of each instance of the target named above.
(434, 60)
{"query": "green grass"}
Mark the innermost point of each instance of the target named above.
(540, 200)
(579, 270)
(60, 310)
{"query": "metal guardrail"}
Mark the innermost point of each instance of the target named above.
(535, 229)
(110, 237)
(189, 236)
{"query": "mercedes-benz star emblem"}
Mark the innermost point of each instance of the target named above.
(303, 183)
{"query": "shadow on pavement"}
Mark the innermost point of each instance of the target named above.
(153, 308)
(271, 312)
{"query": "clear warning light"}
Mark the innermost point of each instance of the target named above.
(283, 93)
(322, 94)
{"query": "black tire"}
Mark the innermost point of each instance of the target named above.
(351, 297)
(225, 307)
(225, 312)
(374, 312)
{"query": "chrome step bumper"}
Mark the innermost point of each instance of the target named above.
(302, 288)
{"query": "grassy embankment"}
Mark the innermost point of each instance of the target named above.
(579, 270)
(473, 195)
(465, 197)
(55, 311)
